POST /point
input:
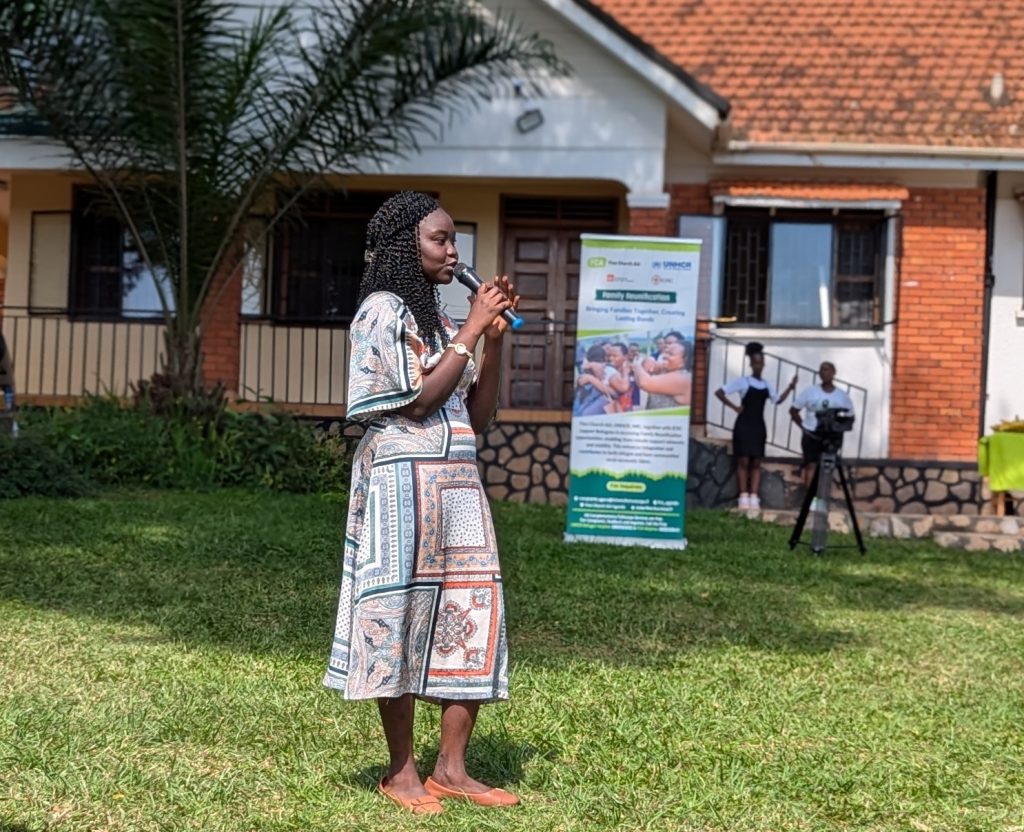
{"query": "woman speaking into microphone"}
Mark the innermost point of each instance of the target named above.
(421, 613)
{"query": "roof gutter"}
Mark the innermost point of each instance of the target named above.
(864, 148)
(863, 155)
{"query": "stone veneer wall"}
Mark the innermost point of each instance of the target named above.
(521, 462)
(884, 486)
(525, 462)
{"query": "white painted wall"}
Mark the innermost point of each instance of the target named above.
(1005, 382)
(861, 358)
(606, 122)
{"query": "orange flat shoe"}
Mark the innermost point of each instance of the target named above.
(426, 805)
(491, 797)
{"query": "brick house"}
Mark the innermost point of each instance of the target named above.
(852, 167)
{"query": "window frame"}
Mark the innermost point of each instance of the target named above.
(325, 204)
(82, 197)
(874, 219)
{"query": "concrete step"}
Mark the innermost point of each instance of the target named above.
(981, 524)
(1008, 532)
(978, 542)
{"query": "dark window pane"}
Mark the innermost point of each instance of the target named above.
(746, 271)
(855, 303)
(323, 267)
(531, 285)
(109, 276)
(319, 256)
(532, 251)
(96, 287)
(858, 250)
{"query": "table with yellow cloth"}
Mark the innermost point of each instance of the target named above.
(1001, 460)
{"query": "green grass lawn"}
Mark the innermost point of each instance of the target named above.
(161, 656)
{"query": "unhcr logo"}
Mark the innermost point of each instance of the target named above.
(675, 266)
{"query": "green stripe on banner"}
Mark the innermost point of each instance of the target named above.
(668, 411)
(636, 244)
(593, 333)
(635, 296)
(612, 475)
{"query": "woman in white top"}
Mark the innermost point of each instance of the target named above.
(749, 432)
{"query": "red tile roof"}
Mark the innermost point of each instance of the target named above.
(909, 72)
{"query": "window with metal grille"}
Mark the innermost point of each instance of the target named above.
(318, 257)
(804, 269)
(108, 276)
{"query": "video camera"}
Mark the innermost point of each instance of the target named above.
(832, 423)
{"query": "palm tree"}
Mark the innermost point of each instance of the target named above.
(189, 115)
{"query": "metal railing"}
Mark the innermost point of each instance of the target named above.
(56, 357)
(725, 360)
(302, 363)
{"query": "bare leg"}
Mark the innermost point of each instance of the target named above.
(396, 716)
(742, 469)
(755, 475)
(457, 721)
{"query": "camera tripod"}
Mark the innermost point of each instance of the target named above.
(821, 485)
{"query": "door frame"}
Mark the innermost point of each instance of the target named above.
(595, 225)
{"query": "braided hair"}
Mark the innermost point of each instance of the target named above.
(393, 262)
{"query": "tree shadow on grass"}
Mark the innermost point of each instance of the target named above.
(259, 574)
(737, 583)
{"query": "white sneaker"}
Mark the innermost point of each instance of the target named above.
(755, 502)
(744, 500)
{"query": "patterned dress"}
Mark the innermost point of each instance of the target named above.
(421, 608)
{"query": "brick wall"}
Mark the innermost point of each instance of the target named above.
(661, 222)
(687, 199)
(938, 349)
(648, 222)
(222, 331)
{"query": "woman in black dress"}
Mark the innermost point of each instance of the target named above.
(749, 432)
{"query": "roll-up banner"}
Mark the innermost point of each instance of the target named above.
(634, 376)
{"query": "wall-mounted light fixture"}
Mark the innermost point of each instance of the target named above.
(529, 121)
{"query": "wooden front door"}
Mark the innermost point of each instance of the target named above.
(542, 258)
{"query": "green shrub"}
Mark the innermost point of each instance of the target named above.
(112, 445)
(278, 452)
(29, 466)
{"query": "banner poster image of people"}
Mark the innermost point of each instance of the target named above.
(633, 382)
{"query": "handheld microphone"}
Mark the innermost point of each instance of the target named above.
(471, 280)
